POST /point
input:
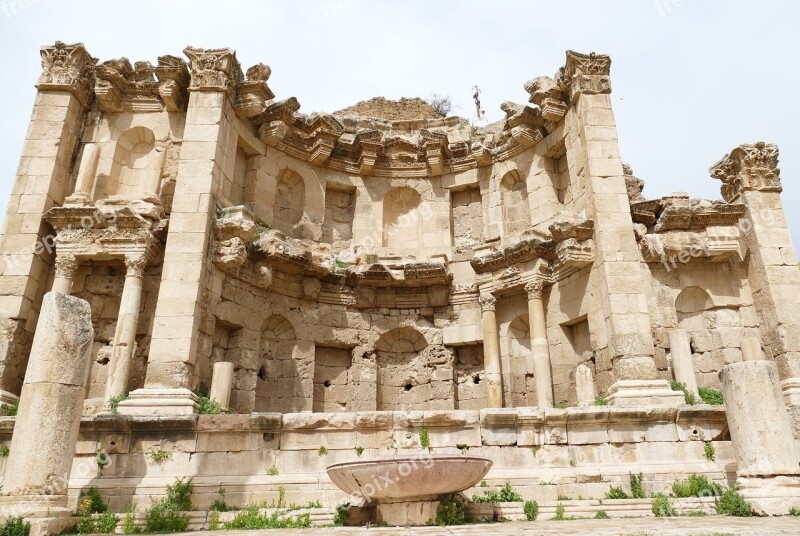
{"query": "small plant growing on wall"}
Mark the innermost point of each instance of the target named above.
(323, 450)
(272, 471)
(359, 451)
(160, 456)
(424, 438)
(708, 450)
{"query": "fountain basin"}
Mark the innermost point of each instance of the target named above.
(406, 488)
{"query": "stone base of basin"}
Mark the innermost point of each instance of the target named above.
(400, 514)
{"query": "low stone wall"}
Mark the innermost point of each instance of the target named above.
(545, 454)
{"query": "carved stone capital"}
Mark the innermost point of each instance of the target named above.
(134, 265)
(487, 301)
(67, 68)
(213, 69)
(585, 74)
(535, 289)
(66, 265)
(751, 167)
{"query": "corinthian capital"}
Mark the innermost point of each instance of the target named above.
(487, 301)
(213, 69)
(585, 74)
(67, 68)
(748, 167)
(134, 265)
(66, 265)
(535, 289)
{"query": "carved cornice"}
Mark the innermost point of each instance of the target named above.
(120, 87)
(214, 69)
(749, 167)
(67, 68)
(173, 82)
(253, 94)
(585, 74)
(525, 250)
(546, 93)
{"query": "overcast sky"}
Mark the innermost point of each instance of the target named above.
(691, 80)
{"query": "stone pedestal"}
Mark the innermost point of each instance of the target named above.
(682, 364)
(767, 455)
(221, 382)
(400, 514)
(46, 430)
(151, 401)
(643, 393)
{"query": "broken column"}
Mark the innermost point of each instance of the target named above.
(125, 331)
(767, 455)
(46, 430)
(584, 385)
(66, 266)
(540, 348)
(491, 351)
(682, 363)
(221, 382)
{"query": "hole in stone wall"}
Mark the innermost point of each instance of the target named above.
(409, 387)
(326, 383)
(262, 374)
(476, 379)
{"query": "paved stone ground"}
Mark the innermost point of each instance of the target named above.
(706, 526)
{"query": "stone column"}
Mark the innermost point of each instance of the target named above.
(46, 431)
(767, 455)
(540, 348)
(125, 332)
(208, 136)
(593, 160)
(66, 266)
(750, 176)
(43, 176)
(682, 363)
(491, 351)
(221, 382)
(751, 349)
(86, 176)
(584, 385)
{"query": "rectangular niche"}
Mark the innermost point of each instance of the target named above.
(466, 213)
(331, 377)
(580, 346)
(337, 229)
(469, 377)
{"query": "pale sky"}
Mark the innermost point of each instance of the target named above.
(691, 79)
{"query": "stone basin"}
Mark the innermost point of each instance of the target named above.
(406, 488)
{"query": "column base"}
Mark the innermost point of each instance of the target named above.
(400, 514)
(644, 393)
(45, 513)
(791, 391)
(770, 496)
(179, 401)
(7, 401)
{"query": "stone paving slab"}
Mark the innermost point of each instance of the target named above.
(707, 526)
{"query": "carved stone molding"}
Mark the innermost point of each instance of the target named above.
(173, 82)
(67, 68)
(585, 74)
(545, 92)
(487, 301)
(253, 94)
(214, 69)
(135, 265)
(752, 167)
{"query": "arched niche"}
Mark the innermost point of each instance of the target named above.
(289, 202)
(403, 379)
(277, 377)
(402, 222)
(516, 210)
(136, 166)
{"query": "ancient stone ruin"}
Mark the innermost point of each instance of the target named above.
(378, 282)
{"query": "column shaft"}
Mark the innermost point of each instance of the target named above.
(540, 348)
(125, 332)
(491, 352)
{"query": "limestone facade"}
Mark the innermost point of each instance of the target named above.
(344, 263)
